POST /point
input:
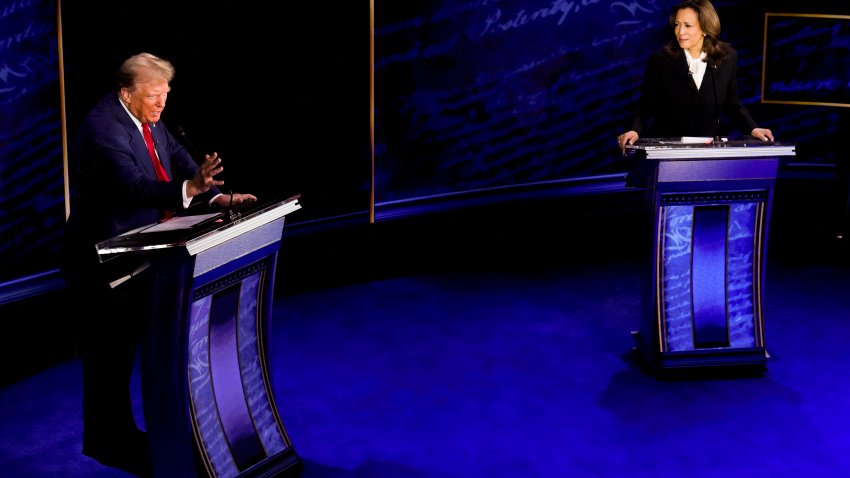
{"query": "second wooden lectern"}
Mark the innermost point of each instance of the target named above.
(710, 206)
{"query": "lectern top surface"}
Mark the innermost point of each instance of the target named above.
(702, 148)
(196, 230)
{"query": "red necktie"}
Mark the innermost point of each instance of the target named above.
(157, 166)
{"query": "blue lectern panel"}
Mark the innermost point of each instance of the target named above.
(744, 243)
(234, 416)
(709, 276)
(709, 283)
(259, 399)
(207, 420)
(228, 388)
(676, 287)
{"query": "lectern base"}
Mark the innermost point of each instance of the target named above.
(284, 464)
(728, 361)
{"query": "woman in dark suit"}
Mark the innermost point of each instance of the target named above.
(691, 81)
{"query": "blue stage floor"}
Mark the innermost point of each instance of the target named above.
(514, 371)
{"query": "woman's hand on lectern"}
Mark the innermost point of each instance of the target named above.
(629, 137)
(763, 134)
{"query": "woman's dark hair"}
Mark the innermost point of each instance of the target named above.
(715, 49)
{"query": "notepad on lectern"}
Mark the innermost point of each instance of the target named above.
(181, 223)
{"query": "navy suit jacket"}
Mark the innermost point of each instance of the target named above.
(114, 187)
(672, 106)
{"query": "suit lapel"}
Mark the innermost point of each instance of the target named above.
(719, 77)
(136, 142)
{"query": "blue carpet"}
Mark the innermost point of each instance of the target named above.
(511, 371)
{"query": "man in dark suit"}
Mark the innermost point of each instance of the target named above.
(691, 82)
(120, 180)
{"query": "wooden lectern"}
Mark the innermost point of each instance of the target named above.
(710, 206)
(208, 403)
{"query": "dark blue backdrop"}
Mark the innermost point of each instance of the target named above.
(32, 196)
(476, 94)
(469, 95)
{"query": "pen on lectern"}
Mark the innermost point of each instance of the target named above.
(129, 276)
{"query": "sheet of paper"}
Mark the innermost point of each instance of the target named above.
(180, 222)
(699, 139)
